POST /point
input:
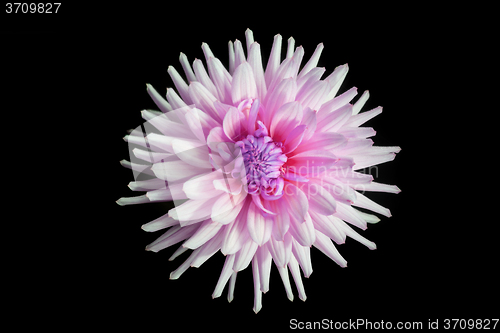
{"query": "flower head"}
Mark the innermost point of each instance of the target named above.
(261, 165)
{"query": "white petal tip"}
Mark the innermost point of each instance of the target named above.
(303, 299)
(256, 310)
(120, 202)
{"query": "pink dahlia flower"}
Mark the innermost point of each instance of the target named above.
(261, 165)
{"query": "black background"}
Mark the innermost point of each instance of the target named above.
(76, 82)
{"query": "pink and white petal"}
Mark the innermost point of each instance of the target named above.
(257, 301)
(153, 157)
(180, 250)
(335, 120)
(294, 269)
(335, 79)
(369, 218)
(232, 283)
(303, 233)
(236, 233)
(360, 102)
(294, 138)
(313, 76)
(364, 202)
(336, 103)
(348, 214)
(325, 225)
(309, 119)
(209, 248)
(202, 187)
(203, 78)
(280, 250)
(357, 132)
(354, 235)
(325, 245)
(215, 137)
(239, 54)
(226, 209)
(193, 211)
(230, 47)
(175, 100)
(284, 120)
(313, 61)
(227, 271)
(232, 124)
(205, 232)
(303, 256)
(274, 60)
(180, 84)
(286, 282)
(146, 185)
(244, 256)
(362, 118)
(314, 95)
(187, 67)
(376, 187)
(296, 202)
(259, 227)
(172, 236)
(194, 153)
(321, 200)
(159, 101)
(314, 162)
(243, 84)
(255, 61)
(133, 200)
(281, 220)
(366, 161)
(204, 99)
(173, 192)
(283, 93)
(264, 260)
(221, 80)
(326, 141)
(174, 275)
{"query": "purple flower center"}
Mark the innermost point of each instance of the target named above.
(263, 161)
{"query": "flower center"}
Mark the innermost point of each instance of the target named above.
(263, 161)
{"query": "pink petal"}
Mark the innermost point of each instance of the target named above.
(203, 78)
(209, 248)
(313, 95)
(205, 232)
(255, 61)
(280, 250)
(284, 120)
(159, 101)
(221, 80)
(303, 233)
(259, 227)
(354, 235)
(257, 301)
(303, 256)
(162, 222)
(325, 245)
(215, 137)
(294, 138)
(296, 202)
(314, 162)
(325, 225)
(362, 118)
(336, 103)
(313, 61)
(203, 99)
(326, 141)
(320, 199)
(286, 282)
(363, 202)
(227, 270)
(360, 102)
(309, 119)
(283, 93)
(192, 152)
(243, 84)
(193, 211)
(264, 264)
(232, 124)
(172, 236)
(274, 60)
(245, 255)
(252, 116)
(236, 233)
(335, 79)
(226, 209)
(348, 214)
(294, 269)
(180, 84)
(281, 220)
(334, 120)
